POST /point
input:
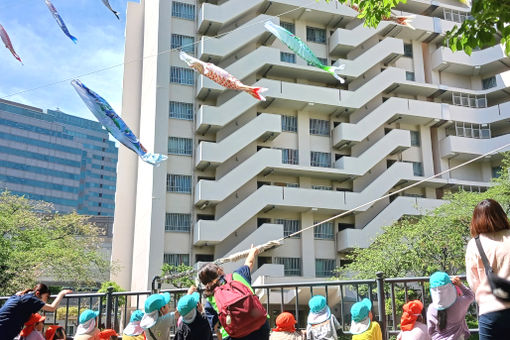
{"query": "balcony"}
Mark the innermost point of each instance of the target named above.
(491, 60)
(215, 49)
(264, 127)
(350, 238)
(211, 18)
(468, 148)
(395, 141)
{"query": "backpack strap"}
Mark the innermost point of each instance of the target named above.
(485, 261)
(152, 334)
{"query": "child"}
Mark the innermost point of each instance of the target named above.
(286, 328)
(87, 329)
(411, 323)
(55, 332)
(321, 324)
(133, 330)
(446, 314)
(157, 319)
(108, 334)
(33, 328)
(362, 325)
(194, 324)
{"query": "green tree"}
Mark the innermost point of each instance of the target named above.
(181, 282)
(116, 288)
(488, 26)
(36, 242)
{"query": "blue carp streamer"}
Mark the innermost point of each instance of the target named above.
(59, 20)
(114, 124)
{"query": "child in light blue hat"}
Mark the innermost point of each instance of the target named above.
(87, 325)
(446, 315)
(362, 325)
(321, 324)
(158, 319)
(133, 330)
(194, 325)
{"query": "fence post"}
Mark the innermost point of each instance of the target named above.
(381, 304)
(109, 306)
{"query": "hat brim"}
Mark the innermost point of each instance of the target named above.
(323, 315)
(443, 296)
(149, 319)
(166, 295)
(360, 327)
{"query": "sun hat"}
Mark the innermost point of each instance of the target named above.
(187, 306)
(285, 322)
(30, 324)
(152, 306)
(137, 315)
(50, 332)
(88, 314)
(156, 301)
(107, 333)
(442, 291)
(360, 321)
(412, 310)
(319, 310)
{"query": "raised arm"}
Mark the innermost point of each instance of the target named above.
(53, 306)
(250, 260)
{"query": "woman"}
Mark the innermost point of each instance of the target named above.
(19, 307)
(446, 315)
(491, 224)
(212, 276)
(411, 322)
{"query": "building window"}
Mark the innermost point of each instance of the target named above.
(290, 156)
(319, 127)
(292, 185)
(324, 267)
(322, 187)
(469, 100)
(183, 11)
(417, 168)
(408, 50)
(410, 76)
(317, 35)
(180, 146)
(322, 159)
(289, 123)
(178, 222)
(488, 83)
(289, 26)
(178, 183)
(324, 61)
(415, 138)
(184, 42)
(496, 171)
(181, 110)
(289, 226)
(181, 75)
(291, 265)
(176, 259)
(288, 57)
(324, 231)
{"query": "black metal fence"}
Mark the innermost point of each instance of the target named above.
(387, 295)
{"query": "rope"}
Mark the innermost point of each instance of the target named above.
(275, 243)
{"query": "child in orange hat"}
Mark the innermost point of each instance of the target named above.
(286, 328)
(108, 334)
(411, 323)
(33, 328)
(55, 332)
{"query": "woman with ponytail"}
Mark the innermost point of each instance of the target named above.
(446, 315)
(19, 307)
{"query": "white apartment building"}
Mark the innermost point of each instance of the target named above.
(243, 172)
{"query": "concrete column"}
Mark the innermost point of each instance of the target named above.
(426, 151)
(303, 138)
(149, 233)
(307, 245)
(125, 203)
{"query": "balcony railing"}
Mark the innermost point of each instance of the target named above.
(293, 297)
(469, 100)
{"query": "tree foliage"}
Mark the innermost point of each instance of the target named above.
(181, 282)
(37, 243)
(488, 25)
(116, 288)
(421, 245)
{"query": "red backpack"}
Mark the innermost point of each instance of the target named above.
(239, 309)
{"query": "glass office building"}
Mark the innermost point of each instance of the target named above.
(59, 158)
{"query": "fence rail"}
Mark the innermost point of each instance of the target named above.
(386, 294)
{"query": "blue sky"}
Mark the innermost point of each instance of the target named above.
(50, 56)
